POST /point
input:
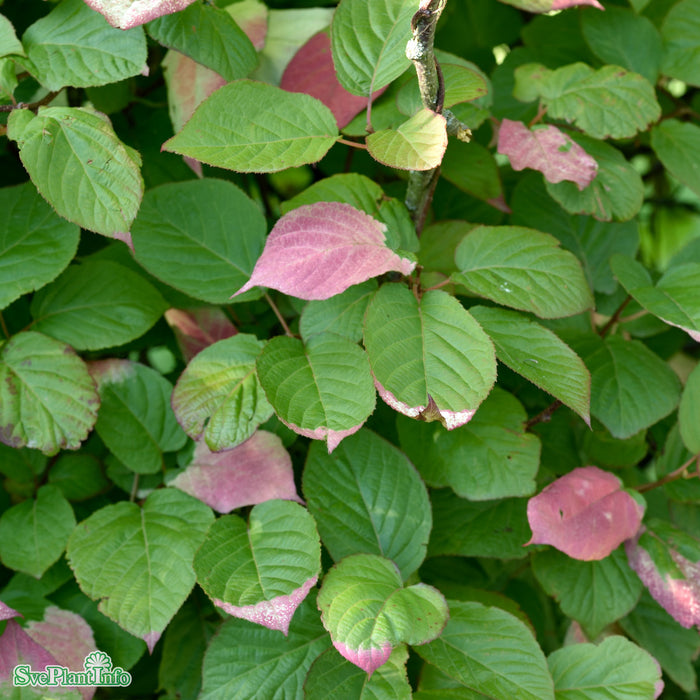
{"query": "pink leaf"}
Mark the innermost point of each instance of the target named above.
(17, 647)
(319, 250)
(196, 329)
(257, 470)
(678, 592)
(7, 613)
(312, 71)
(251, 17)
(549, 5)
(431, 412)
(67, 637)
(274, 614)
(548, 150)
(369, 660)
(126, 14)
(584, 514)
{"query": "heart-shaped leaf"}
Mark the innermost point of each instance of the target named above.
(48, 401)
(322, 389)
(429, 357)
(261, 571)
(137, 561)
(368, 612)
(218, 396)
(319, 250)
(257, 470)
(584, 514)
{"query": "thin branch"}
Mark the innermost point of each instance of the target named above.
(277, 313)
(543, 416)
(614, 318)
(676, 474)
(31, 105)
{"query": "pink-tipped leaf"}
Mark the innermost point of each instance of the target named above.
(539, 6)
(126, 14)
(584, 514)
(547, 149)
(319, 250)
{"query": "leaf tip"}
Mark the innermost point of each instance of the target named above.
(369, 660)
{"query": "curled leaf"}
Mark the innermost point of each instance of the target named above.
(584, 514)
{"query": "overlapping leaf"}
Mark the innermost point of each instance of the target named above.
(197, 329)
(131, 13)
(490, 652)
(523, 269)
(257, 470)
(548, 150)
(80, 166)
(584, 514)
(35, 243)
(368, 498)
(48, 401)
(9, 43)
(369, 43)
(319, 250)
(219, 397)
(261, 571)
(689, 412)
(137, 560)
(676, 297)
(678, 146)
(75, 46)
(368, 612)
(681, 34)
(253, 127)
(321, 389)
(429, 358)
(207, 257)
(136, 421)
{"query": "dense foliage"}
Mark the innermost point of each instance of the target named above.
(350, 349)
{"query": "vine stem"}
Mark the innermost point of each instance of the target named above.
(277, 313)
(354, 144)
(32, 105)
(673, 476)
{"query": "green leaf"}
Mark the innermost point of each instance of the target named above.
(539, 355)
(78, 476)
(624, 38)
(472, 168)
(322, 389)
(342, 314)
(428, 358)
(35, 243)
(247, 661)
(137, 561)
(681, 34)
(80, 166)
(9, 43)
(209, 36)
(622, 368)
(368, 498)
(616, 192)
(253, 127)
(97, 304)
(594, 593)
(367, 196)
(607, 103)
(177, 239)
(368, 612)
(489, 651)
(676, 297)
(263, 570)
(524, 269)
(592, 242)
(678, 146)
(74, 45)
(490, 457)
(48, 401)
(471, 529)
(333, 676)
(615, 669)
(33, 534)
(218, 396)
(369, 43)
(689, 412)
(671, 645)
(417, 144)
(136, 421)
